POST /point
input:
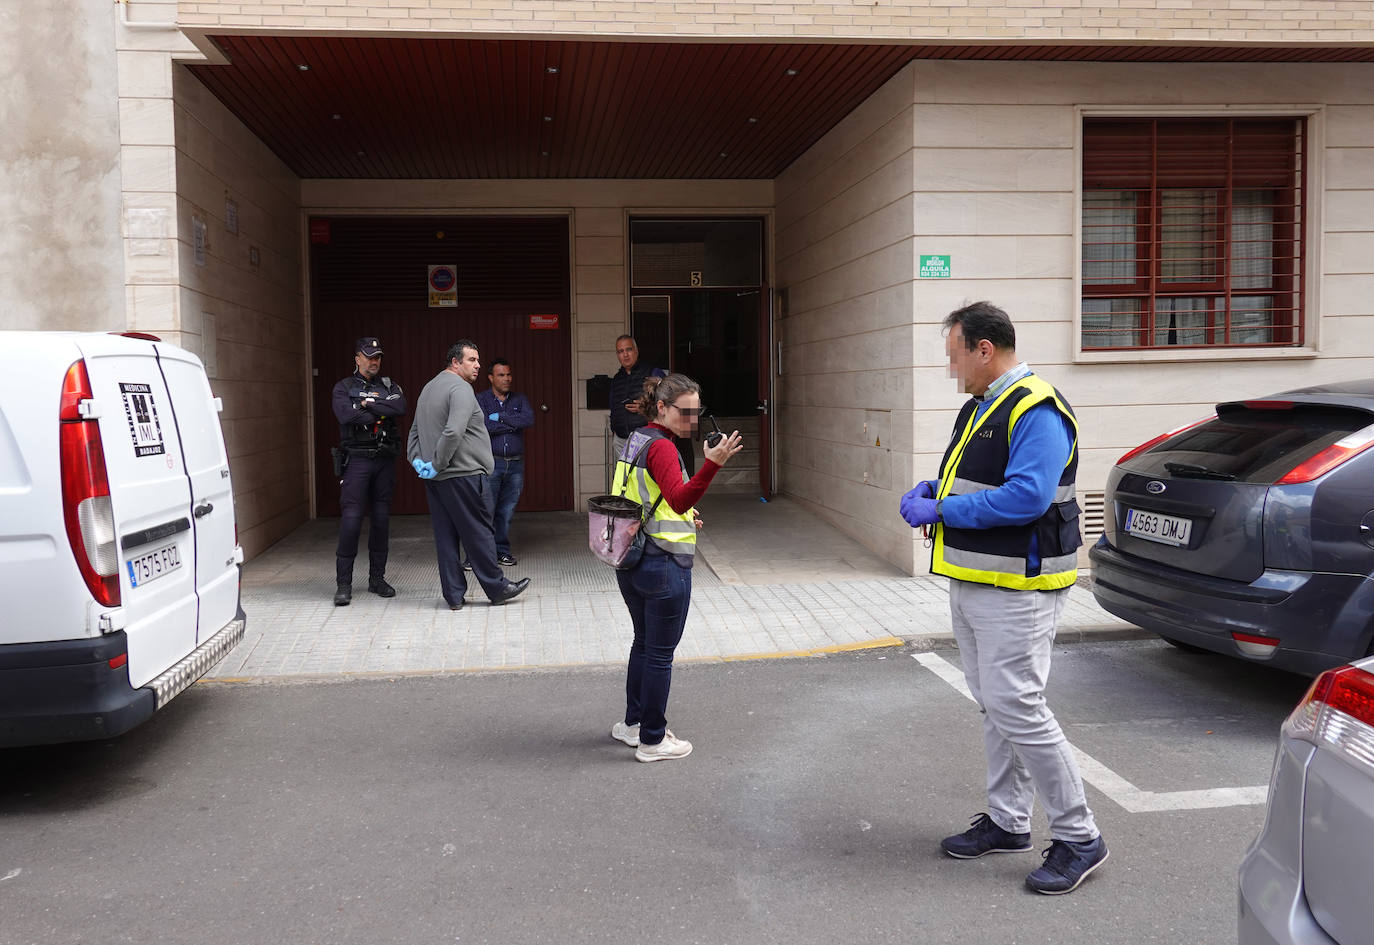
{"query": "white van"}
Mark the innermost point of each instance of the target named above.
(119, 556)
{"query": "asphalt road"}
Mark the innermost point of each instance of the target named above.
(495, 808)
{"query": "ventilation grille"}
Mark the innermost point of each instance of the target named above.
(1094, 510)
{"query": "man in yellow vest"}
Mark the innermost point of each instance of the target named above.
(1004, 520)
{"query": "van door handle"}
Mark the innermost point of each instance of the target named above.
(202, 510)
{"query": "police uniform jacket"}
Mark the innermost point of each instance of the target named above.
(372, 429)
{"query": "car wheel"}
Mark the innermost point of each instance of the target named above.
(1185, 647)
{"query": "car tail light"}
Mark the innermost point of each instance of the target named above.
(86, 505)
(1160, 439)
(1331, 457)
(1338, 711)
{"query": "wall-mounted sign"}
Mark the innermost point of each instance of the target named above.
(935, 267)
(443, 286)
(545, 322)
(319, 231)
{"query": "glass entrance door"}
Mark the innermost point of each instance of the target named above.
(698, 304)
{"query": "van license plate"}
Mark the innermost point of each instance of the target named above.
(1152, 526)
(153, 565)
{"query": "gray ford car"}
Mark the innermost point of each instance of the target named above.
(1305, 880)
(1250, 533)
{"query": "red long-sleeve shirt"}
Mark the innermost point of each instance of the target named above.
(665, 466)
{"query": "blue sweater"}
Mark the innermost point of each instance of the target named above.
(513, 417)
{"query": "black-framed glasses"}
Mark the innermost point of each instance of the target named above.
(688, 411)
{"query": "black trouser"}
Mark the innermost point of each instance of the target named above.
(366, 486)
(461, 516)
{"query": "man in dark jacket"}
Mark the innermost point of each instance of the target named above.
(508, 416)
(367, 407)
(626, 387)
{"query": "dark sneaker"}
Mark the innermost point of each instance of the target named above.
(1066, 865)
(381, 588)
(467, 565)
(985, 837)
(343, 595)
(507, 559)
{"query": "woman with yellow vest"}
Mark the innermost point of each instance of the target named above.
(658, 590)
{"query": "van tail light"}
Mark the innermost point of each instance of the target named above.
(1161, 438)
(1331, 457)
(1338, 712)
(86, 507)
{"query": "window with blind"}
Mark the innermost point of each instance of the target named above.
(1192, 232)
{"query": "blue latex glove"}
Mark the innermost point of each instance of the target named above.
(423, 469)
(918, 510)
(493, 417)
(925, 489)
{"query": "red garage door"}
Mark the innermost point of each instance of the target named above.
(369, 276)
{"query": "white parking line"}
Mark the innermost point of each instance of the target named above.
(1123, 792)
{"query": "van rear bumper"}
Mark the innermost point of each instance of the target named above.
(66, 690)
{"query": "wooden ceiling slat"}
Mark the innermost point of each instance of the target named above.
(473, 108)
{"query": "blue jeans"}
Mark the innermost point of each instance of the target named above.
(658, 592)
(505, 483)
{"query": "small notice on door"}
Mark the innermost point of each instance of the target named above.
(935, 267)
(443, 286)
(546, 322)
(144, 427)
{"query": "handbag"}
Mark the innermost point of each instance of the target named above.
(615, 528)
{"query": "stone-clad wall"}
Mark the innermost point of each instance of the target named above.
(845, 260)
(1259, 21)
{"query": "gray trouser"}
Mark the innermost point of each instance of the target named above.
(1005, 638)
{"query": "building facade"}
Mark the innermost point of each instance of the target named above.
(1172, 200)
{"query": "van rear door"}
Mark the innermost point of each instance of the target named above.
(212, 499)
(150, 495)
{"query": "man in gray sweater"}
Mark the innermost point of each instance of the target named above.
(451, 451)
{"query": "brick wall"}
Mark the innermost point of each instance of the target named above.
(1258, 21)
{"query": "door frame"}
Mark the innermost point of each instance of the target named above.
(768, 314)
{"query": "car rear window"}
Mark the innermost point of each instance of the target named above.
(1255, 446)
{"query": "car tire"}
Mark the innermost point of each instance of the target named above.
(1185, 647)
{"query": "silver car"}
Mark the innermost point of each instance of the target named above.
(1309, 877)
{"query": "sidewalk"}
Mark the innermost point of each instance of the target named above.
(771, 580)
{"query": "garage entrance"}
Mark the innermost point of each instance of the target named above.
(371, 276)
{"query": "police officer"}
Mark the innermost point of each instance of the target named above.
(367, 407)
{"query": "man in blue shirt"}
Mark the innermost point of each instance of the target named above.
(1003, 518)
(508, 416)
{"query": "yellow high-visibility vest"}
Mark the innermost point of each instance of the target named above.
(976, 460)
(672, 532)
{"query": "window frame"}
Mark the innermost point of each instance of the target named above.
(1305, 219)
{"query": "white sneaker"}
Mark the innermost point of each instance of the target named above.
(629, 734)
(669, 749)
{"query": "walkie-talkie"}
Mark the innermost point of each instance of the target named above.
(713, 438)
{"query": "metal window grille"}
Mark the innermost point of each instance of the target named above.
(1193, 232)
